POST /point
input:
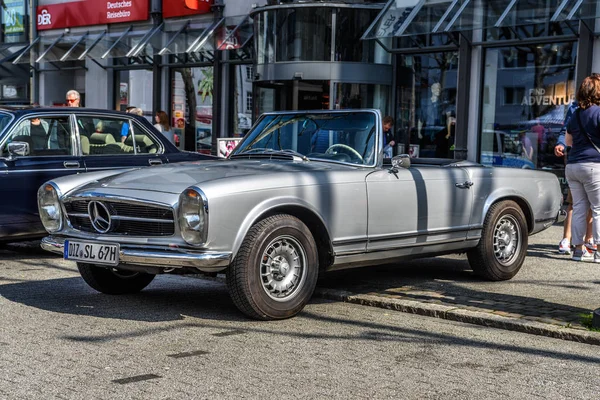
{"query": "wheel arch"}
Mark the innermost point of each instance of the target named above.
(521, 202)
(299, 209)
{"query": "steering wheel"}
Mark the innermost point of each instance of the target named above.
(355, 153)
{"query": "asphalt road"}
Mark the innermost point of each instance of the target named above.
(183, 338)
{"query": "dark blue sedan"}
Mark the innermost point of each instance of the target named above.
(38, 144)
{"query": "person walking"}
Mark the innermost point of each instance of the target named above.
(162, 124)
(560, 150)
(583, 166)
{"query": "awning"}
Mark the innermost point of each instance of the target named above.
(191, 37)
(8, 52)
(413, 17)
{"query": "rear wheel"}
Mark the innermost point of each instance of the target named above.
(503, 245)
(113, 281)
(275, 271)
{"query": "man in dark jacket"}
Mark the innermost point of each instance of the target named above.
(388, 137)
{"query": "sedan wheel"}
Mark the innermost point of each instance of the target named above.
(503, 244)
(275, 271)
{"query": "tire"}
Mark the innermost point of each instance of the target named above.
(495, 258)
(111, 281)
(265, 291)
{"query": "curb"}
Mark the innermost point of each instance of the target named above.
(462, 315)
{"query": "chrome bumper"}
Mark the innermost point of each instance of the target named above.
(145, 256)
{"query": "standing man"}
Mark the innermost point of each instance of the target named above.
(388, 137)
(73, 98)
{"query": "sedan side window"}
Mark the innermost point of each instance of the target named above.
(144, 142)
(103, 136)
(45, 136)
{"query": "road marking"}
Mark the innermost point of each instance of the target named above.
(229, 333)
(188, 354)
(137, 378)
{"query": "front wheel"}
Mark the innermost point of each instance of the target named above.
(275, 271)
(113, 281)
(503, 244)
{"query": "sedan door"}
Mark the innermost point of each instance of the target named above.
(418, 206)
(52, 153)
(110, 142)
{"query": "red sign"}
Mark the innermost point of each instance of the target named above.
(90, 12)
(180, 8)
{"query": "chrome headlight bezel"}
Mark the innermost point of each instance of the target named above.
(192, 216)
(49, 207)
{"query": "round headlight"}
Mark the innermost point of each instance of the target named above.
(49, 207)
(193, 212)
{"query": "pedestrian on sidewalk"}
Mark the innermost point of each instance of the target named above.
(163, 126)
(560, 150)
(583, 166)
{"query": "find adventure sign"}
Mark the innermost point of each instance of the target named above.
(89, 12)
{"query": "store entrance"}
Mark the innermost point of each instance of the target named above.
(292, 95)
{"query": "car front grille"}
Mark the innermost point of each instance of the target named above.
(116, 218)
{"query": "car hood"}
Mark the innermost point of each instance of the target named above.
(175, 178)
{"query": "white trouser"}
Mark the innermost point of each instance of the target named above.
(584, 182)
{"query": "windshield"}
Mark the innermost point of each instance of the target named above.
(344, 137)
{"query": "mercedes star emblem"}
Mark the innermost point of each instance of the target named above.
(99, 216)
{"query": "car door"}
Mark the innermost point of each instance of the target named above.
(117, 142)
(52, 152)
(418, 205)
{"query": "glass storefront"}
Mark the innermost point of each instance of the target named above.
(135, 89)
(361, 95)
(243, 103)
(426, 103)
(303, 34)
(526, 93)
(192, 105)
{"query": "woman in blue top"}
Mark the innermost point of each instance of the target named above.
(583, 165)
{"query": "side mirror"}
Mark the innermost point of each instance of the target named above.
(18, 149)
(401, 161)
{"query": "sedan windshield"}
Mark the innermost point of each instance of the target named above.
(340, 136)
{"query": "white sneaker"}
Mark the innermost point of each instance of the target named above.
(583, 255)
(565, 246)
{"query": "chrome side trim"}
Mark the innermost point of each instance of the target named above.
(155, 256)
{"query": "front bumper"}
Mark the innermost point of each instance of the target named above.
(153, 257)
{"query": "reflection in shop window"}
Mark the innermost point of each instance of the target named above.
(426, 109)
(242, 106)
(530, 89)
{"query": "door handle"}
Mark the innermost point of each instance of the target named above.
(464, 185)
(71, 164)
(155, 161)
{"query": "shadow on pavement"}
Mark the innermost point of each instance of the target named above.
(167, 298)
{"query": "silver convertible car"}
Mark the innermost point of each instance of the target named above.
(303, 193)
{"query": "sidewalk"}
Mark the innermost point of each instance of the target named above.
(548, 296)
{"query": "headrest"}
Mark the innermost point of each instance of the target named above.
(85, 144)
(102, 138)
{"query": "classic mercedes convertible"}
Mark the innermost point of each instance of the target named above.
(303, 193)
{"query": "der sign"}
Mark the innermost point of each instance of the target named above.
(90, 12)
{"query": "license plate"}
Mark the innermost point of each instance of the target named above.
(94, 253)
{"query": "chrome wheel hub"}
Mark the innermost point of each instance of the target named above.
(282, 269)
(507, 238)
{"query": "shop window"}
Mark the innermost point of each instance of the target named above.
(135, 89)
(527, 104)
(426, 107)
(14, 28)
(361, 95)
(192, 105)
(303, 34)
(351, 23)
